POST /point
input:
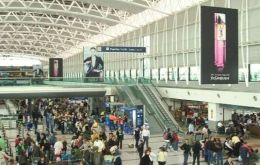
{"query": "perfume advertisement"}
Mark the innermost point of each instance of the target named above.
(219, 45)
(56, 68)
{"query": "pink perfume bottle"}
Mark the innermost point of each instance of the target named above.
(56, 68)
(220, 41)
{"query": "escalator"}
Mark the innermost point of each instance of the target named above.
(161, 107)
(133, 96)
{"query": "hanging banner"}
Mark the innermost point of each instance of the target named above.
(121, 49)
(219, 45)
(56, 69)
(93, 64)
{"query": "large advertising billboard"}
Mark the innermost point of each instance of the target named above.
(93, 63)
(219, 45)
(56, 68)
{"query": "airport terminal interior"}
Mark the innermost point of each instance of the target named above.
(129, 82)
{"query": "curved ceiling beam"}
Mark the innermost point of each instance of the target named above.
(50, 31)
(60, 9)
(26, 33)
(27, 52)
(31, 47)
(29, 56)
(36, 43)
(54, 22)
(144, 6)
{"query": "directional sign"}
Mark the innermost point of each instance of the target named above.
(121, 49)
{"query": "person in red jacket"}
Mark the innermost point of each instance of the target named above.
(175, 141)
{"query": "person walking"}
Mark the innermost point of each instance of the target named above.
(145, 160)
(196, 152)
(175, 141)
(162, 156)
(186, 151)
(146, 136)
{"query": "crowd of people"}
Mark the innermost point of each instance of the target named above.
(214, 149)
(89, 144)
(90, 137)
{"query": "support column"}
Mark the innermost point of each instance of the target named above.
(215, 114)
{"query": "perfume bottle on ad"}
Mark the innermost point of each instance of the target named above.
(55, 68)
(220, 41)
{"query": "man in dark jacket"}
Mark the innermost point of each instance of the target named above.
(196, 152)
(137, 136)
(140, 149)
(186, 148)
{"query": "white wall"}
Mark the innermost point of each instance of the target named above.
(213, 96)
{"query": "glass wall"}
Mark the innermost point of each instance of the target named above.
(254, 72)
(154, 74)
(163, 74)
(183, 73)
(194, 73)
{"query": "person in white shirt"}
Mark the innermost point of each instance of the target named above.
(191, 128)
(146, 136)
(205, 131)
(58, 146)
(99, 144)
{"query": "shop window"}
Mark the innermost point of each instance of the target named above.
(241, 74)
(107, 74)
(147, 43)
(122, 74)
(133, 73)
(154, 74)
(173, 74)
(147, 73)
(254, 72)
(117, 75)
(163, 74)
(127, 73)
(183, 73)
(112, 74)
(194, 73)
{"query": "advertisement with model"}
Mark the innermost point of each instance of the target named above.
(219, 45)
(93, 64)
(56, 68)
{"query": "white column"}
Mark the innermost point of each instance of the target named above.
(215, 114)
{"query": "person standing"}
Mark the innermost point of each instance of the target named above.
(140, 149)
(162, 156)
(137, 136)
(120, 137)
(186, 148)
(196, 152)
(146, 136)
(219, 152)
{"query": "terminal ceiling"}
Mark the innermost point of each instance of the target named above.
(52, 28)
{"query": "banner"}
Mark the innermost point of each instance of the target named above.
(93, 63)
(38, 71)
(219, 45)
(56, 68)
(121, 49)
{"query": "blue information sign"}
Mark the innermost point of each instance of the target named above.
(121, 49)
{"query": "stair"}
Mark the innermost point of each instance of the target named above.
(160, 110)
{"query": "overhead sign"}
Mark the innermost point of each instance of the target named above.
(121, 49)
(219, 45)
